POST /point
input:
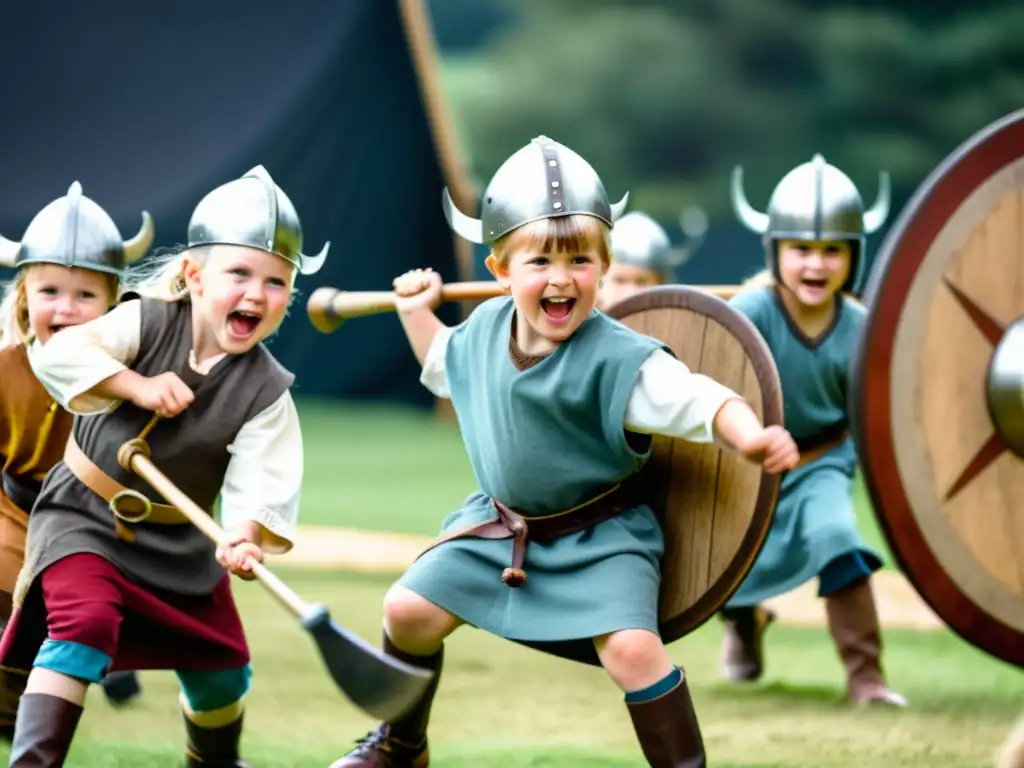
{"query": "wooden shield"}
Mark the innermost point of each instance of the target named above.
(948, 281)
(715, 506)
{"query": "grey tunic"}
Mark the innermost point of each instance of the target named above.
(190, 449)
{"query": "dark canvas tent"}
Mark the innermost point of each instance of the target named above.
(151, 105)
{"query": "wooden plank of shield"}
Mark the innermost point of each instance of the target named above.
(937, 390)
(715, 506)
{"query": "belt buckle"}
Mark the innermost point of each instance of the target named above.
(130, 506)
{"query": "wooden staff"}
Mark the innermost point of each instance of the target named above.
(377, 683)
(329, 307)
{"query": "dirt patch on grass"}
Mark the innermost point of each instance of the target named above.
(343, 549)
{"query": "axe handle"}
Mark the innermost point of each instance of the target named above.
(329, 307)
(133, 456)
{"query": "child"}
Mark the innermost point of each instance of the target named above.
(643, 257)
(100, 591)
(557, 404)
(64, 277)
(814, 240)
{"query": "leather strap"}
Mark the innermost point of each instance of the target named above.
(509, 522)
(815, 452)
(106, 487)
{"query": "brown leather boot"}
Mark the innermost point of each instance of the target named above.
(43, 732)
(742, 648)
(668, 730)
(213, 747)
(853, 622)
(403, 743)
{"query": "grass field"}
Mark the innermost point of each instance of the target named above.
(502, 705)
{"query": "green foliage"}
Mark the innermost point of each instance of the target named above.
(665, 97)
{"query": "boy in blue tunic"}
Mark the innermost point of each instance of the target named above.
(814, 239)
(557, 403)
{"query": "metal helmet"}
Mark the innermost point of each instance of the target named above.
(254, 212)
(542, 180)
(639, 240)
(73, 231)
(814, 201)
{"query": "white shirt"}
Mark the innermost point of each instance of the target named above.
(264, 473)
(667, 399)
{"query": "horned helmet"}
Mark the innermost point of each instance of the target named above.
(542, 180)
(815, 201)
(640, 241)
(252, 211)
(74, 231)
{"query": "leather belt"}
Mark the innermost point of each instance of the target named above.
(128, 506)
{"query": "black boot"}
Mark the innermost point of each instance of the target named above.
(42, 736)
(121, 687)
(668, 731)
(403, 743)
(214, 747)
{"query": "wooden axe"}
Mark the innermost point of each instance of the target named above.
(377, 683)
(328, 307)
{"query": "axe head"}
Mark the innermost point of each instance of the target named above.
(380, 685)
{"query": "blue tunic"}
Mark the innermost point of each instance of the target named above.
(543, 440)
(814, 532)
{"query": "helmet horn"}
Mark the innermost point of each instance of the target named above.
(693, 222)
(751, 218)
(465, 226)
(619, 208)
(875, 216)
(8, 252)
(310, 265)
(137, 247)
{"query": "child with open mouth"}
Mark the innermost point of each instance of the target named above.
(557, 404)
(104, 589)
(65, 277)
(814, 241)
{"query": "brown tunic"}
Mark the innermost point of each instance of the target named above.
(191, 449)
(33, 432)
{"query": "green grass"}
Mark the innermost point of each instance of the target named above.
(391, 469)
(503, 705)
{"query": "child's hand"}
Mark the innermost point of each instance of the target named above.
(164, 394)
(238, 555)
(417, 289)
(774, 448)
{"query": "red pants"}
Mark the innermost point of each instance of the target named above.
(84, 602)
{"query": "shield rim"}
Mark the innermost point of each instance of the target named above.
(766, 372)
(899, 258)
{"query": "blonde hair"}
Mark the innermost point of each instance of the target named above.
(162, 276)
(576, 233)
(14, 321)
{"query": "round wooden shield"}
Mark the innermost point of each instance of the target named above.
(949, 279)
(715, 506)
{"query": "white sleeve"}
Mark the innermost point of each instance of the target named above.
(433, 375)
(78, 358)
(669, 399)
(264, 475)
